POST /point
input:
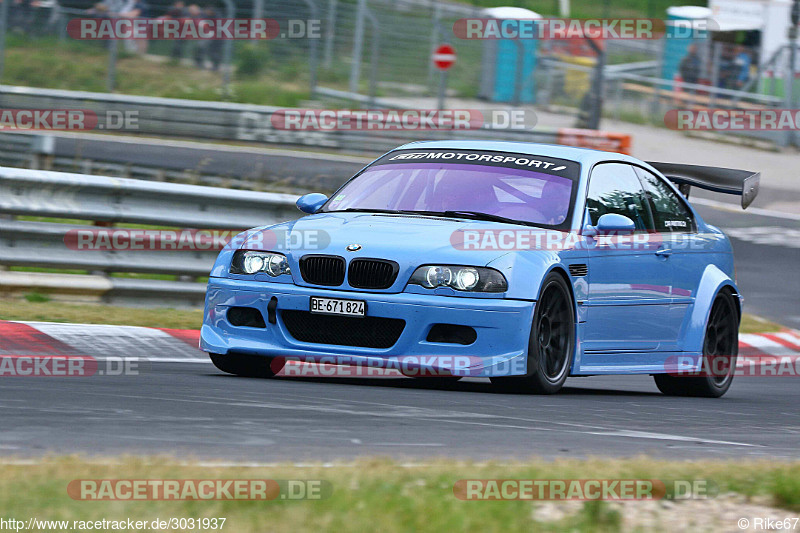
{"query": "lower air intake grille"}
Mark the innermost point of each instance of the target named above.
(578, 270)
(367, 332)
(372, 273)
(322, 269)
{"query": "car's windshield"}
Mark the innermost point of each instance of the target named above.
(522, 194)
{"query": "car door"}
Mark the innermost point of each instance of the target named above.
(630, 281)
(675, 226)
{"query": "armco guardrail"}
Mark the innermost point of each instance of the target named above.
(252, 123)
(116, 200)
(100, 198)
(232, 167)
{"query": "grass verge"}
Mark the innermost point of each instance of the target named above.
(53, 311)
(38, 307)
(82, 66)
(380, 495)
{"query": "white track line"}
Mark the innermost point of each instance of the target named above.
(725, 206)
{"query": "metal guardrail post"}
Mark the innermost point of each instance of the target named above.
(358, 46)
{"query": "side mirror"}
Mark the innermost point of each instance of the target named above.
(614, 224)
(311, 203)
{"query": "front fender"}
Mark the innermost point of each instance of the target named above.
(525, 272)
(712, 281)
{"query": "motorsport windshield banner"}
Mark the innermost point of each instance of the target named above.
(536, 163)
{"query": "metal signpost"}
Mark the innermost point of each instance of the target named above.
(443, 57)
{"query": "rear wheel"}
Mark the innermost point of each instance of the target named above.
(720, 348)
(246, 365)
(551, 342)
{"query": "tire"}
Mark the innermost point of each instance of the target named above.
(246, 365)
(720, 348)
(551, 343)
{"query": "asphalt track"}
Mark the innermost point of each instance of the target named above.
(190, 410)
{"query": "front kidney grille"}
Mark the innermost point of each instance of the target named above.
(372, 273)
(366, 332)
(322, 269)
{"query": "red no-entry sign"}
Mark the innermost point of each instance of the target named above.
(444, 57)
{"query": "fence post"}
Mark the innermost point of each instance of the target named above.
(312, 49)
(61, 22)
(227, 52)
(358, 46)
(518, 76)
(716, 53)
(437, 15)
(111, 80)
(373, 70)
(113, 50)
(592, 104)
(3, 27)
(330, 33)
(795, 20)
(258, 12)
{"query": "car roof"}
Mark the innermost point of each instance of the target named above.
(586, 156)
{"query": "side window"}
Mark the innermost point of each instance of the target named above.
(614, 188)
(670, 213)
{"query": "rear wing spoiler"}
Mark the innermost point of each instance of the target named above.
(725, 180)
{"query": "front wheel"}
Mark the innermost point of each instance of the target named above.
(246, 365)
(718, 363)
(551, 342)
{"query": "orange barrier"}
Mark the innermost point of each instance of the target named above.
(599, 140)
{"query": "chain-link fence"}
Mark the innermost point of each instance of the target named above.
(383, 48)
(376, 47)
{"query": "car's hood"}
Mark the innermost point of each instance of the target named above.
(402, 238)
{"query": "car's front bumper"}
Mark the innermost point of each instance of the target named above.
(502, 327)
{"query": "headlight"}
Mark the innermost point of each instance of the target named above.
(250, 262)
(460, 278)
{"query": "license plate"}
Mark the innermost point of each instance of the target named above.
(336, 306)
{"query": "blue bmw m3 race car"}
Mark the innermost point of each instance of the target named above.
(524, 263)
